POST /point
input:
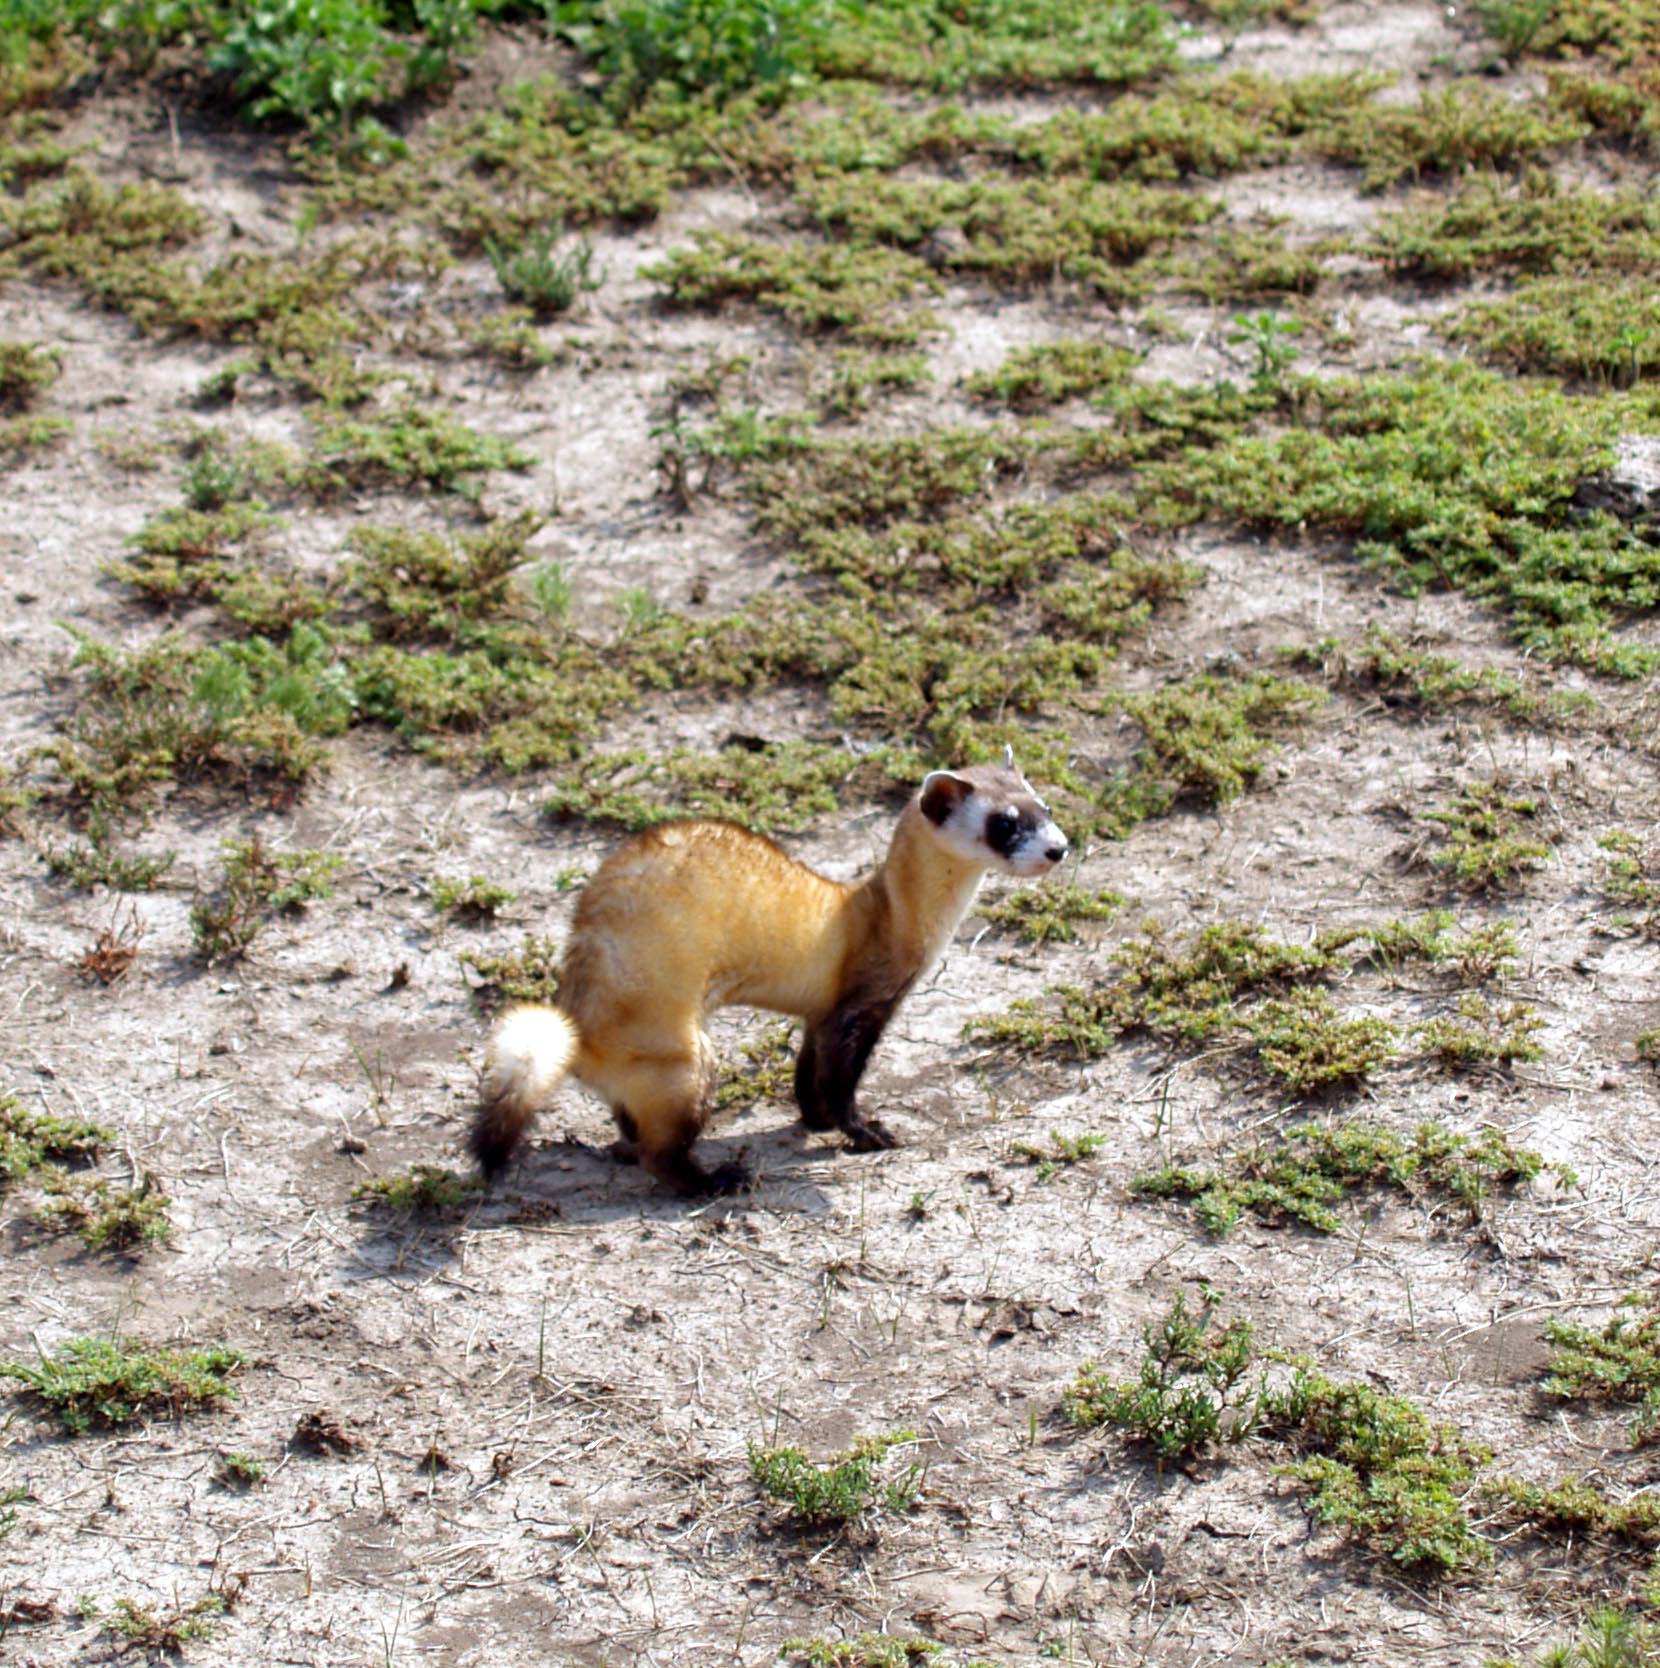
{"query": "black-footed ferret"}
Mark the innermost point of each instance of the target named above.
(692, 916)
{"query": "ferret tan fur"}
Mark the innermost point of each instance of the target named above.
(693, 916)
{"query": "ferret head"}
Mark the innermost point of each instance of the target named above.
(990, 815)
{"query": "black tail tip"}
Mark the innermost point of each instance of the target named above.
(490, 1145)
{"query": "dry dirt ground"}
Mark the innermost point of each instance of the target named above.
(543, 1401)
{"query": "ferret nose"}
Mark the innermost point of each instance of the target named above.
(1055, 852)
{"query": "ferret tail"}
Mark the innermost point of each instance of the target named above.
(529, 1051)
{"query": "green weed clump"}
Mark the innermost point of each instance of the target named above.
(773, 787)
(1314, 1168)
(1374, 1466)
(258, 884)
(1451, 131)
(426, 1188)
(1179, 996)
(26, 369)
(1381, 1472)
(1190, 1392)
(110, 1382)
(763, 1071)
(528, 974)
(1619, 1362)
(1406, 467)
(868, 1650)
(843, 1489)
(1012, 232)
(1305, 1045)
(1062, 1153)
(1633, 881)
(1594, 328)
(860, 293)
(1206, 740)
(1004, 43)
(474, 899)
(1482, 1034)
(1609, 1638)
(36, 1141)
(548, 283)
(159, 1632)
(1047, 914)
(1493, 837)
(1052, 372)
(125, 1219)
(1533, 228)
(1483, 953)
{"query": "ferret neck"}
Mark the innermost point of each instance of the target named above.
(927, 890)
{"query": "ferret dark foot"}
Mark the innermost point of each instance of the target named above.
(688, 1178)
(869, 1135)
(625, 1152)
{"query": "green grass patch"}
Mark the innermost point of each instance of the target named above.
(1051, 372)
(1003, 43)
(1632, 880)
(258, 884)
(1410, 467)
(428, 1189)
(32, 1142)
(1191, 1391)
(110, 1382)
(528, 974)
(1049, 914)
(1534, 227)
(863, 294)
(763, 1071)
(547, 279)
(867, 1650)
(1372, 1464)
(1481, 1034)
(108, 1218)
(843, 1489)
(27, 369)
(475, 899)
(1062, 1153)
(1314, 1168)
(1492, 837)
(1014, 232)
(1306, 1047)
(1618, 1362)
(1594, 328)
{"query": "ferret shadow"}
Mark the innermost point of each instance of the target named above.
(579, 1183)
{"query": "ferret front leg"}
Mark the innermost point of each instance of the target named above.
(833, 1057)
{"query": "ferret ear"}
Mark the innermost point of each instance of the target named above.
(941, 794)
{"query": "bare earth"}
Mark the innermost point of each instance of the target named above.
(544, 1401)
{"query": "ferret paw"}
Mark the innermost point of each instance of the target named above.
(729, 1178)
(870, 1135)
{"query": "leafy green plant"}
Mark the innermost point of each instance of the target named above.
(1047, 914)
(1514, 24)
(1314, 1167)
(1190, 1392)
(239, 1470)
(697, 46)
(868, 1650)
(258, 884)
(545, 281)
(26, 369)
(113, 1382)
(1265, 334)
(1493, 837)
(475, 899)
(165, 1632)
(1619, 1362)
(426, 1187)
(528, 974)
(35, 1141)
(107, 1218)
(1482, 1034)
(844, 1488)
(1304, 1044)
(1062, 1152)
